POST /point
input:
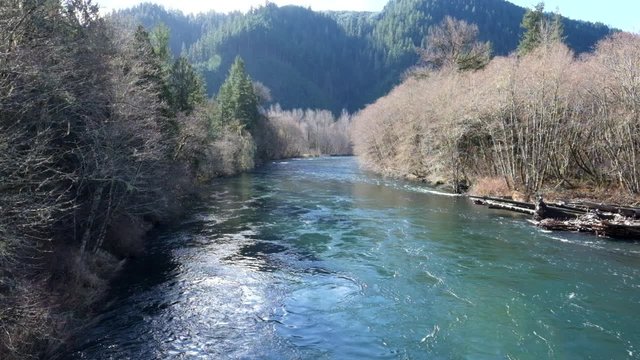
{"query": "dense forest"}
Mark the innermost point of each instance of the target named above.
(538, 120)
(336, 60)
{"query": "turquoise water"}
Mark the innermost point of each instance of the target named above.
(315, 259)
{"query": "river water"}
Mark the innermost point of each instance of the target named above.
(316, 259)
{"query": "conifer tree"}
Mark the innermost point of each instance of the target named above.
(237, 101)
(185, 86)
(557, 31)
(159, 39)
(541, 29)
(532, 23)
(155, 71)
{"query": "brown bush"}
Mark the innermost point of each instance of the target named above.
(491, 186)
(231, 153)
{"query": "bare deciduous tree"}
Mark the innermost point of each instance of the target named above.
(454, 44)
(311, 132)
(544, 119)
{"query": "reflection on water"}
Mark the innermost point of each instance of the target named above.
(314, 259)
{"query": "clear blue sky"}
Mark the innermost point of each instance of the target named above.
(623, 14)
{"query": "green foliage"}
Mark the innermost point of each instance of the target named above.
(532, 23)
(180, 85)
(145, 52)
(101, 134)
(155, 70)
(237, 101)
(159, 38)
(557, 28)
(305, 58)
(186, 88)
(540, 29)
(185, 30)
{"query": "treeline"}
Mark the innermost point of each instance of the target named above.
(90, 122)
(538, 119)
(304, 57)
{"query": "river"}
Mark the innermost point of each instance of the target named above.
(316, 259)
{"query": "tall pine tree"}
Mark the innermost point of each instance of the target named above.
(532, 24)
(237, 101)
(540, 29)
(185, 86)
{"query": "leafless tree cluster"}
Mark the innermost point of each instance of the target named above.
(306, 132)
(545, 119)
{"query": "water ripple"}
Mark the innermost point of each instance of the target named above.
(315, 259)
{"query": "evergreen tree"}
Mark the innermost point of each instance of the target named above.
(155, 72)
(180, 86)
(540, 29)
(237, 101)
(532, 22)
(339, 60)
(186, 88)
(159, 38)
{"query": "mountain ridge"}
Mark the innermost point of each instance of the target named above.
(336, 59)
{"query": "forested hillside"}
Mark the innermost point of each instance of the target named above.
(336, 60)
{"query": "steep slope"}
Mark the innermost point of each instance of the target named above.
(304, 57)
(185, 29)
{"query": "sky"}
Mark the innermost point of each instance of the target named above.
(622, 14)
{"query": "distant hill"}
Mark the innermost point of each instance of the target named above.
(336, 60)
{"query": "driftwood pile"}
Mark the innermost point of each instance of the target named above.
(619, 222)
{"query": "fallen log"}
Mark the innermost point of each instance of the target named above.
(563, 217)
(551, 210)
(619, 228)
(519, 204)
(544, 211)
(569, 208)
(505, 206)
(630, 212)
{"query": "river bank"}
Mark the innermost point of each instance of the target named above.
(525, 124)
